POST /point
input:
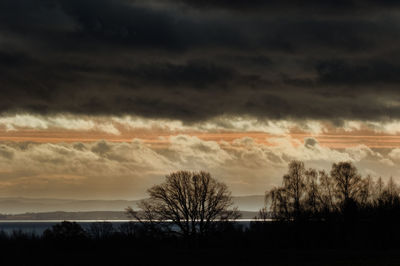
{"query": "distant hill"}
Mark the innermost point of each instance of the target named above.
(73, 216)
(76, 216)
(24, 205)
(31, 205)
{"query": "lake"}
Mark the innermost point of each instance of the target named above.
(38, 227)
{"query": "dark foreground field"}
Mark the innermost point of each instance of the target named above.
(260, 244)
(104, 254)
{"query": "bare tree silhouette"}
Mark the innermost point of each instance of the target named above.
(347, 181)
(315, 195)
(327, 190)
(286, 200)
(190, 201)
(101, 230)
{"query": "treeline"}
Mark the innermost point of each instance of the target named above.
(341, 194)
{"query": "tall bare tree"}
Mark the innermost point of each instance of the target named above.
(280, 203)
(192, 201)
(313, 197)
(286, 200)
(347, 181)
(295, 184)
(327, 192)
(379, 187)
(390, 195)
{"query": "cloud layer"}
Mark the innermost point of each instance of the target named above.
(125, 170)
(196, 60)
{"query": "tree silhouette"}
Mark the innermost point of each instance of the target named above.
(65, 231)
(286, 201)
(347, 181)
(101, 230)
(312, 198)
(190, 201)
(344, 194)
(327, 190)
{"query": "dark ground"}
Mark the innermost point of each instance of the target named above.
(261, 244)
(201, 256)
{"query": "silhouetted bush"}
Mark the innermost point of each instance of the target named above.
(101, 230)
(65, 231)
(129, 229)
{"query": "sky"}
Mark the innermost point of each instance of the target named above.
(100, 99)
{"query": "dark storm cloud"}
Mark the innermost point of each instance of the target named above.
(192, 60)
(343, 5)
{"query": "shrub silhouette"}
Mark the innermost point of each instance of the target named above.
(101, 230)
(65, 231)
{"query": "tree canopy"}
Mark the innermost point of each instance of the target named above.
(311, 194)
(191, 201)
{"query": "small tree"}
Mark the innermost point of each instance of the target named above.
(389, 196)
(101, 230)
(190, 201)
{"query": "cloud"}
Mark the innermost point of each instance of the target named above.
(6, 153)
(83, 170)
(62, 121)
(276, 5)
(119, 69)
(125, 170)
(115, 124)
(395, 154)
(174, 60)
(310, 142)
